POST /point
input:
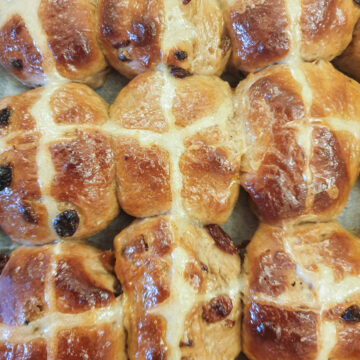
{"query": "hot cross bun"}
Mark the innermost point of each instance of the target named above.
(302, 132)
(183, 288)
(264, 32)
(57, 176)
(138, 35)
(176, 147)
(302, 301)
(60, 302)
(45, 40)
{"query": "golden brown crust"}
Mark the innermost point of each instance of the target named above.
(168, 268)
(50, 39)
(87, 179)
(326, 27)
(33, 350)
(130, 34)
(76, 104)
(258, 31)
(22, 214)
(176, 149)
(305, 302)
(273, 333)
(302, 157)
(40, 285)
(206, 166)
(55, 150)
(267, 32)
(18, 54)
(93, 342)
(22, 304)
(70, 31)
(143, 178)
(137, 36)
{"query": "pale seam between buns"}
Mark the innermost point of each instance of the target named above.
(28, 11)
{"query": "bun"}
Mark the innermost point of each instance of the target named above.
(177, 151)
(51, 39)
(302, 141)
(302, 301)
(136, 36)
(267, 32)
(57, 176)
(60, 301)
(183, 290)
(63, 301)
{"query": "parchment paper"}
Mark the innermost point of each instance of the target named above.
(241, 225)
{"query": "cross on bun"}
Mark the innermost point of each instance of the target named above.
(57, 175)
(302, 131)
(138, 35)
(264, 32)
(179, 297)
(60, 302)
(176, 147)
(45, 40)
(183, 290)
(302, 300)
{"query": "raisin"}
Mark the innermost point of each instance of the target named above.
(117, 288)
(357, 2)
(28, 214)
(217, 309)
(17, 64)
(222, 239)
(185, 2)
(5, 116)
(179, 72)
(66, 223)
(352, 313)
(3, 261)
(5, 176)
(181, 55)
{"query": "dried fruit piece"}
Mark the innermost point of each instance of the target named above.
(179, 72)
(5, 116)
(66, 223)
(217, 309)
(222, 240)
(181, 55)
(352, 313)
(5, 176)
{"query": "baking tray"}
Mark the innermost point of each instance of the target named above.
(242, 223)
